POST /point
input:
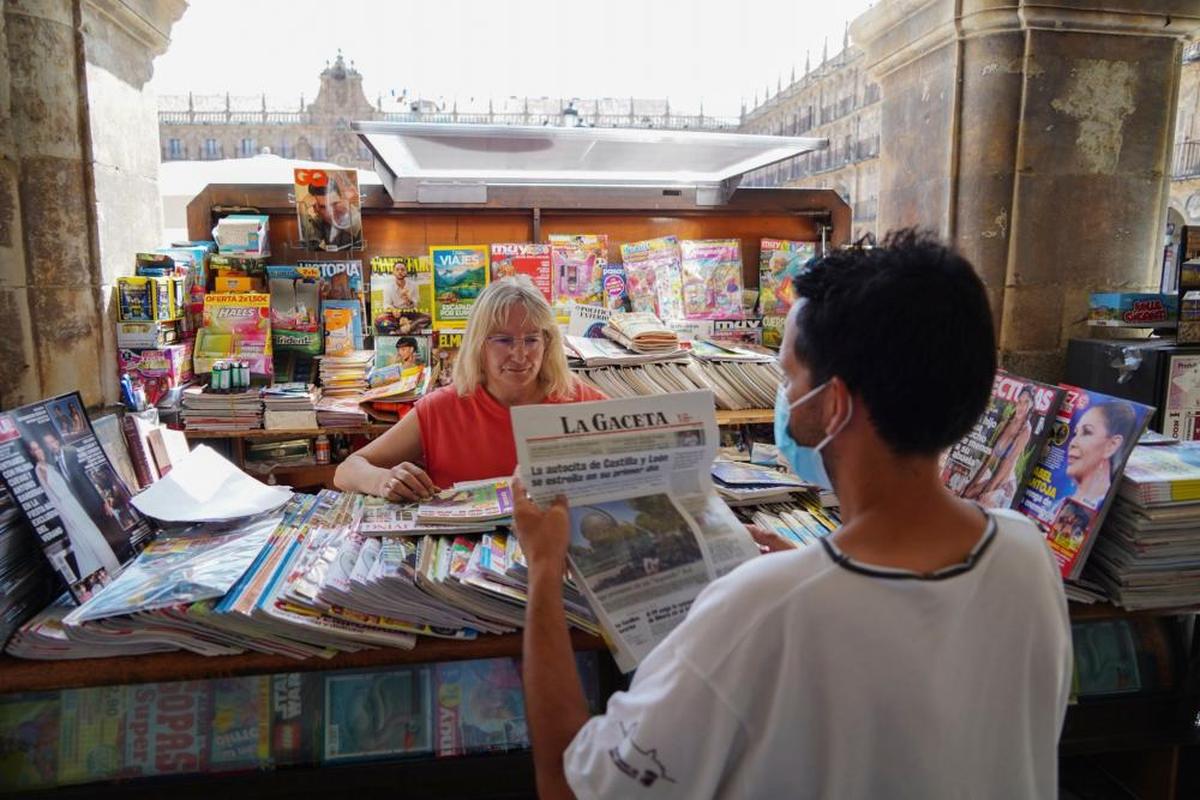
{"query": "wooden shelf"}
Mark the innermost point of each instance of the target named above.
(748, 416)
(20, 675)
(372, 429)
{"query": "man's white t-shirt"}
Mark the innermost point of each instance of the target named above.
(807, 674)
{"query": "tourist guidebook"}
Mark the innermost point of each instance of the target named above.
(648, 531)
(401, 295)
(460, 273)
(1072, 485)
(76, 503)
(991, 465)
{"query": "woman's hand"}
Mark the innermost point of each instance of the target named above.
(769, 542)
(406, 482)
(544, 533)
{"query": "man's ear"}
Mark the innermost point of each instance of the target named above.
(839, 404)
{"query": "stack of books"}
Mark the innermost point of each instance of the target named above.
(1148, 553)
(290, 406)
(204, 410)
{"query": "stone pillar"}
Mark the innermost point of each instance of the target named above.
(1037, 138)
(78, 184)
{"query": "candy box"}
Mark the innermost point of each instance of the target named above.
(147, 335)
(1133, 310)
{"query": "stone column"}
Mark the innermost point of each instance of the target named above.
(1037, 138)
(78, 184)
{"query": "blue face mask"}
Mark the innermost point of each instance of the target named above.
(806, 462)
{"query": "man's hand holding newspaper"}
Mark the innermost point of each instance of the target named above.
(543, 532)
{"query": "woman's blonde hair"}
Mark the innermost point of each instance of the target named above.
(490, 310)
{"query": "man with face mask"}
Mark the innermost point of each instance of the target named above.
(922, 650)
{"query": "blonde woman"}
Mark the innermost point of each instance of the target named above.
(511, 355)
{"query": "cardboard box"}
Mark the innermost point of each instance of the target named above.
(146, 299)
(172, 364)
(243, 233)
(1133, 310)
(147, 335)
(238, 283)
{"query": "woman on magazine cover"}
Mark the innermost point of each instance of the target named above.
(512, 354)
(1095, 448)
(996, 482)
(88, 545)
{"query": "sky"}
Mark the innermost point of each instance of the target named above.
(715, 52)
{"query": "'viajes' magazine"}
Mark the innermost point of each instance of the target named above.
(991, 465)
(1073, 484)
(648, 531)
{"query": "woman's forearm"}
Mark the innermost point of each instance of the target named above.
(356, 474)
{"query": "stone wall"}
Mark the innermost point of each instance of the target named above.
(78, 184)
(1036, 137)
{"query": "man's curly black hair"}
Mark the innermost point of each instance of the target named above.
(907, 326)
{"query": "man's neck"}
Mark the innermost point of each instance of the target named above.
(896, 513)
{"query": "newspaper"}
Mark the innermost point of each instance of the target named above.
(648, 531)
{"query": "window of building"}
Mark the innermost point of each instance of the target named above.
(247, 148)
(210, 148)
(174, 149)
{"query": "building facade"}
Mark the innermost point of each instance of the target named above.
(837, 101)
(1185, 169)
(207, 128)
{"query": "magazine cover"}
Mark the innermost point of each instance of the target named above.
(328, 208)
(480, 707)
(296, 725)
(401, 295)
(444, 352)
(992, 463)
(339, 280)
(460, 273)
(653, 276)
(577, 263)
(712, 278)
(29, 744)
(351, 310)
(339, 331)
(241, 723)
(532, 260)
(779, 262)
(59, 476)
(401, 351)
(1183, 398)
(91, 729)
(378, 714)
(295, 309)
(167, 728)
(1072, 485)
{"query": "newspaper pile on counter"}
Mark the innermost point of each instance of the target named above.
(205, 410)
(648, 531)
(736, 385)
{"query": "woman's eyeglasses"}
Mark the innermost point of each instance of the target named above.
(510, 344)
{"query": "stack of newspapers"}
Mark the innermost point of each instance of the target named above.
(290, 405)
(735, 385)
(641, 332)
(1148, 552)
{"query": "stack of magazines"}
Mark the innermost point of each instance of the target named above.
(641, 332)
(1148, 553)
(340, 412)
(205, 410)
(27, 583)
(748, 484)
(346, 376)
(736, 385)
(591, 352)
(801, 521)
(290, 405)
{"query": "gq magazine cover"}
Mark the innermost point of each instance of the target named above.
(62, 481)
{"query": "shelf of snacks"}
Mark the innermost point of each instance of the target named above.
(23, 675)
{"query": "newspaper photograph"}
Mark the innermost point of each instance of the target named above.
(648, 531)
